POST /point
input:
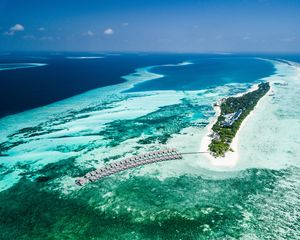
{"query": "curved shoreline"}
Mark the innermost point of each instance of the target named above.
(231, 157)
(144, 74)
(14, 66)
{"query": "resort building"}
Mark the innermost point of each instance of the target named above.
(231, 118)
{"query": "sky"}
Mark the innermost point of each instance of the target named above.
(150, 26)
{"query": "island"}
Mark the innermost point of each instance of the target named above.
(233, 110)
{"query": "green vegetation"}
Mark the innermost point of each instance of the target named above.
(224, 133)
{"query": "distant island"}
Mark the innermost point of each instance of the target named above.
(233, 111)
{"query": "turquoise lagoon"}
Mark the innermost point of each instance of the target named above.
(44, 149)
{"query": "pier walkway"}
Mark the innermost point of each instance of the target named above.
(132, 162)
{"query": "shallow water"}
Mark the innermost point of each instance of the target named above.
(188, 199)
(271, 136)
(14, 66)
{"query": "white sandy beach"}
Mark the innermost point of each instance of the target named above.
(231, 158)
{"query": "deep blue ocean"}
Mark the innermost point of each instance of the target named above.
(65, 76)
(23, 89)
(43, 151)
(208, 71)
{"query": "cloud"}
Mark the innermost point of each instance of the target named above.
(16, 28)
(109, 31)
(90, 33)
(41, 29)
(245, 38)
(125, 24)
